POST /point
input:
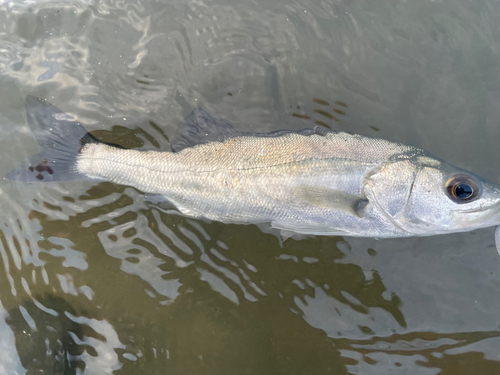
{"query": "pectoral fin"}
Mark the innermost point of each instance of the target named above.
(330, 199)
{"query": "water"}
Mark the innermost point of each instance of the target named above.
(95, 281)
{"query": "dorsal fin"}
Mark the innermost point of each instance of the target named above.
(279, 133)
(199, 128)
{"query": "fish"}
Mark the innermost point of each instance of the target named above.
(303, 183)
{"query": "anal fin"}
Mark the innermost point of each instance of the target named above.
(161, 202)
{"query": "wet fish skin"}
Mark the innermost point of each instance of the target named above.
(299, 183)
(311, 182)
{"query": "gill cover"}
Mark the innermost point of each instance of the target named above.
(389, 187)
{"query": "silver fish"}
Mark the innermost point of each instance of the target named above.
(311, 182)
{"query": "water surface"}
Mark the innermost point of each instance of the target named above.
(96, 281)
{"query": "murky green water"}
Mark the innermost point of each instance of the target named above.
(95, 281)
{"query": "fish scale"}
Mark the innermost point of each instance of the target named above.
(246, 179)
(306, 182)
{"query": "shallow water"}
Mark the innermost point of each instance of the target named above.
(96, 281)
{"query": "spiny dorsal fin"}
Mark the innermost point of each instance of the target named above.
(201, 127)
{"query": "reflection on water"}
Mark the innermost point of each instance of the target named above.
(100, 281)
(51, 339)
(97, 281)
(196, 282)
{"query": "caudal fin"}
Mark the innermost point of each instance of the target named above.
(60, 138)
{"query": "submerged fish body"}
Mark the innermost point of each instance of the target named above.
(299, 183)
(308, 182)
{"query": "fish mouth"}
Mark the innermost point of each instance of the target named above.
(483, 209)
(483, 216)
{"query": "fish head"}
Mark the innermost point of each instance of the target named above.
(422, 195)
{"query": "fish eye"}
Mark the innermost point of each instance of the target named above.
(462, 188)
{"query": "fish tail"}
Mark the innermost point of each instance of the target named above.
(61, 139)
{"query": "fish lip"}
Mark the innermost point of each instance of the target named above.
(482, 209)
(494, 199)
(491, 211)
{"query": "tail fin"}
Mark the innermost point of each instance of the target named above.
(60, 138)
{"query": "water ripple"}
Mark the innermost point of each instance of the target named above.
(96, 280)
